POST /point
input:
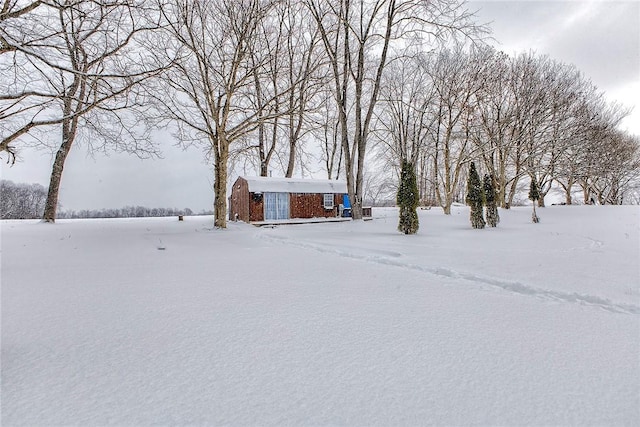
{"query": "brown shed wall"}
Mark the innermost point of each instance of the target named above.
(256, 207)
(305, 205)
(239, 201)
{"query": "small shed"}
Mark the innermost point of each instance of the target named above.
(260, 198)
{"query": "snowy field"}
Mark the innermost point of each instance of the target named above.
(155, 321)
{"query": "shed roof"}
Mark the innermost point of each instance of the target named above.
(258, 184)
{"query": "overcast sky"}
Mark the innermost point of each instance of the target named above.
(602, 38)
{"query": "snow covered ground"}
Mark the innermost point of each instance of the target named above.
(155, 321)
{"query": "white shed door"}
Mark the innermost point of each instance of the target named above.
(276, 206)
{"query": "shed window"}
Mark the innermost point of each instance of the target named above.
(328, 201)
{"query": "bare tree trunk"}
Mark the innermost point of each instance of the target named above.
(291, 164)
(567, 191)
(51, 205)
(446, 209)
(220, 182)
(586, 192)
(69, 130)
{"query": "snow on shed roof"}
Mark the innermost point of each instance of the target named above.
(259, 184)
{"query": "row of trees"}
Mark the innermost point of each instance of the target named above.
(21, 201)
(126, 212)
(27, 201)
(261, 84)
(526, 117)
(238, 78)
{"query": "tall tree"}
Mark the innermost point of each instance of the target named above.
(85, 67)
(327, 131)
(493, 109)
(209, 92)
(403, 119)
(456, 79)
(290, 58)
(527, 109)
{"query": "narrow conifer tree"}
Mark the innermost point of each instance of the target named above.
(493, 218)
(534, 195)
(408, 199)
(475, 197)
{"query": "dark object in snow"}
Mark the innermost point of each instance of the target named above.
(180, 218)
(491, 207)
(475, 197)
(534, 195)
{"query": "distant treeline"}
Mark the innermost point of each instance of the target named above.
(26, 201)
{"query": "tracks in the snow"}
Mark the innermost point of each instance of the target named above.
(391, 258)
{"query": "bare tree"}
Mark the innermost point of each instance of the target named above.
(588, 124)
(614, 167)
(527, 117)
(13, 9)
(402, 121)
(493, 110)
(403, 125)
(305, 77)
(456, 79)
(96, 89)
(290, 68)
(554, 126)
(358, 36)
(209, 94)
(326, 129)
(73, 67)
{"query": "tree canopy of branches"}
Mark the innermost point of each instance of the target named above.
(75, 65)
(21, 201)
(360, 38)
(516, 117)
(215, 90)
(255, 81)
